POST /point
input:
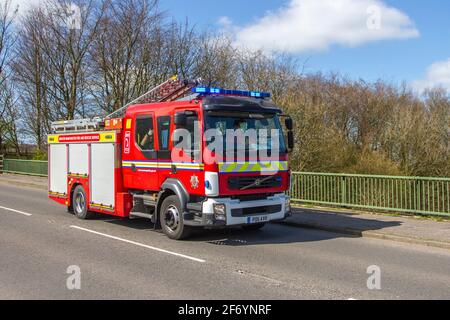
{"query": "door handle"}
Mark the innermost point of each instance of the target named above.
(133, 167)
(174, 169)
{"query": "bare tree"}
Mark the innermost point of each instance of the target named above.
(6, 37)
(7, 15)
(181, 48)
(65, 43)
(9, 118)
(216, 62)
(30, 66)
(120, 53)
(264, 73)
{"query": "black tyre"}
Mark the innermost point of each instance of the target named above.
(79, 203)
(171, 219)
(251, 227)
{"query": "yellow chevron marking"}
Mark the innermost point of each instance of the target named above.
(263, 166)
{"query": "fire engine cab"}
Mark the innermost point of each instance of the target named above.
(130, 165)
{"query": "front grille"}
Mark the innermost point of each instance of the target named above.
(256, 210)
(259, 182)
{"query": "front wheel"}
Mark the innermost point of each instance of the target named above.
(171, 219)
(79, 203)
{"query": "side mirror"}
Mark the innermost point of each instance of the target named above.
(180, 119)
(290, 140)
(289, 123)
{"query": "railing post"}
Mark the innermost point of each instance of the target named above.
(343, 190)
(418, 194)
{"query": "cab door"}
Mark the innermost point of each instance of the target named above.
(187, 165)
(164, 144)
(140, 161)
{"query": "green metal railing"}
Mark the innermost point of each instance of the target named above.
(419, 195)
(28, 167)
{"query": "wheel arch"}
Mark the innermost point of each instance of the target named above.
(172, 187)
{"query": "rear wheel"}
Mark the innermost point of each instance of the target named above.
(251, 227)
(79, 203)
(171, 219)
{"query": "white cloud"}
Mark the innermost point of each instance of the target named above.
(225, 22)
(310, 25)
(437, 76)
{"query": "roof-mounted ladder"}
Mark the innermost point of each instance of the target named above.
(170, 90)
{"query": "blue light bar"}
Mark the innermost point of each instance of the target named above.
(208, 91)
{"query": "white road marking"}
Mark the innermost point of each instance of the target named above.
(140, 244)
(16, 211)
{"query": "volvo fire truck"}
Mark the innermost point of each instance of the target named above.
(123, 165)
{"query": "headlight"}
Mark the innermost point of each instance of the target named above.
(220, 212)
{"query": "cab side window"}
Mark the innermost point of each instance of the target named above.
(163, 132)
(163, 137)
(191, 124)
(144, 135)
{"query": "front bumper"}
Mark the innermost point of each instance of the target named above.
(238, 212)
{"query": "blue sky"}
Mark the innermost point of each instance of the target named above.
(416, 51)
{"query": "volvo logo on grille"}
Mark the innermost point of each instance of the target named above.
(257, 182)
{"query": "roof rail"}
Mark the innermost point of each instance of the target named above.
(77, 125)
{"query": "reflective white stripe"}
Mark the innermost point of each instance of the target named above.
(16, 211)
(139, 244)
(163, 165)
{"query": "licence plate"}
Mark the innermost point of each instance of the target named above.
(258, 219)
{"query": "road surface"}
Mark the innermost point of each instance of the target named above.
(127, 259)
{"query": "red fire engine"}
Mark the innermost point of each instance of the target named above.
(124, 165)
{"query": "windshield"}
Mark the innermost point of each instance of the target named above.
(265, 127)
